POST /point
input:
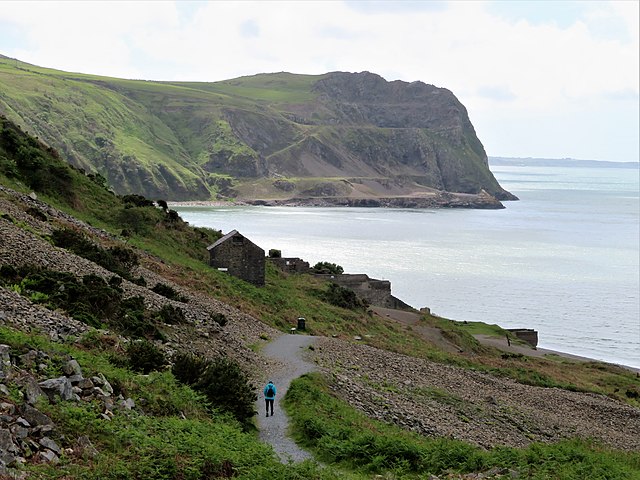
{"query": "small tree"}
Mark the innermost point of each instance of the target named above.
(328, 268)
(227, 387)
(145, 357)
(275, 253)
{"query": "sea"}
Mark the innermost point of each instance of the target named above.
(563, 260)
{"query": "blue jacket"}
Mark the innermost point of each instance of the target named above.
(265, 391)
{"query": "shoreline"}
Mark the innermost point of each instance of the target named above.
(538, 352)
(479, 201)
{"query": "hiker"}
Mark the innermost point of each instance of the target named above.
(269, 396)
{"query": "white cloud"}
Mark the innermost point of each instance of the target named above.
(504, 68)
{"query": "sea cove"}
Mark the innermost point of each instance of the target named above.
(563, 260)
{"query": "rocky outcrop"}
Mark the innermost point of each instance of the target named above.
(29, 435)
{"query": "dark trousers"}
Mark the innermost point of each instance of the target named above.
(269, 402)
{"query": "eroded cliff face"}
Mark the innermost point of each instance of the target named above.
(238, 138)
(362, 126)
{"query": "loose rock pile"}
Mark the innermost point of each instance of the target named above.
(26, 433)
(446, 401)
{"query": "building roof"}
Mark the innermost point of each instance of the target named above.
(224, 239)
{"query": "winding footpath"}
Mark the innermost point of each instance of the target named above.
(288, 351)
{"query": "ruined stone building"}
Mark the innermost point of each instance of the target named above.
(238, 256)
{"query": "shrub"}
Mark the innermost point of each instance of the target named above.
(8, 274)
(328, 268)
(171, 315)
(168, 292)
(343, 297)
(227, 387)
(219, 318)
(273, 253)
(118, 260)
(222, 381)
(145, 357)
(188, 368)
(136, 201)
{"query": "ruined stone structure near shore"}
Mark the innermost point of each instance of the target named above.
(375, 292)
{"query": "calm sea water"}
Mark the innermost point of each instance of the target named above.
(563, 260)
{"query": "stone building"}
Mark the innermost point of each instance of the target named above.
(291, 265)
(238, 256)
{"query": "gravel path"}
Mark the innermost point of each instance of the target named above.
(288, 351)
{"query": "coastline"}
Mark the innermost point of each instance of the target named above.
(537, 352)
(482, 201)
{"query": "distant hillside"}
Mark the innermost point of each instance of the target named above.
(270, 136)
(560, 162)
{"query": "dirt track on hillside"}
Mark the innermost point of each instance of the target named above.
(288, 352)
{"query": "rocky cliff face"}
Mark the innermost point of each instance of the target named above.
(362, 126)
(197, 141)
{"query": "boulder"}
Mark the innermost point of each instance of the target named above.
(58, 388)
(35, 417)
(71, 368)
(46, 442)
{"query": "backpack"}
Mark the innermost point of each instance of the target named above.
(270, 391)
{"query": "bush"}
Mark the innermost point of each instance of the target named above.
(171, 315)
(188, 368)
(343, 297)
(273, 253)
(145, 357)
(136, 201)
(227, 388)
(118, 260)
(168, 292)
(327, 268)
(219, 318)
(222, 381)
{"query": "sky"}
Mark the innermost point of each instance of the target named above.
(548, 79)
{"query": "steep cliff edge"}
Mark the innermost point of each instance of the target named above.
(270, 137)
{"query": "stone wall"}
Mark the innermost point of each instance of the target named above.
(376, 292)
(291, 265)
(526, 334)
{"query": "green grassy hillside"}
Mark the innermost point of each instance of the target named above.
(181, 434)
(190, 140)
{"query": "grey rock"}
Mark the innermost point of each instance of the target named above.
(86, 384)
(98, 392)
(4, 390)
(6, 442)
(46, 442)
(31, 390)
(106, 386)
(58, 387)
(5, 361)
(28, 360)
(19, 432)
(23, 422)
(35, 417)
(8, 408)
(86, 448)
(46, 456)
(127, 404)
(72, 367)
